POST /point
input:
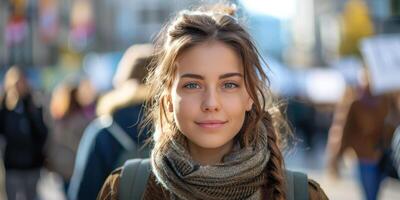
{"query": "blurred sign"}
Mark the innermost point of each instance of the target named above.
(382, 56)
(324, 85)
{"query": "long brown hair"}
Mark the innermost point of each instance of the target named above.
(191, 28)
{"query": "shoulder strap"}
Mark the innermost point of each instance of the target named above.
(297, 185)
(133, 180)
(121, 136)
(135, 174)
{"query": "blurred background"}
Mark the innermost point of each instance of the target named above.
(335, 63)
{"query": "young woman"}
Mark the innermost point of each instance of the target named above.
(215, 128)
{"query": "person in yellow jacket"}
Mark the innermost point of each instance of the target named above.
(355, 24)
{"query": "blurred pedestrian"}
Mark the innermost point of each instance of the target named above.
(25, 133)
(363, 130)
(214, 134)
(3, 194)
(390, 162)
(355, 24)
(301, 114)
(70, 120)
(102, 149)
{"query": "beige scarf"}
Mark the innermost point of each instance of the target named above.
(240, 175)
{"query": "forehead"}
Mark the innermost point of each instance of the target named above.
(210, 58)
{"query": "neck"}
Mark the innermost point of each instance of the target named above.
(209, 156)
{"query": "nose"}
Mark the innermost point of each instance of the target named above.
(210, 101)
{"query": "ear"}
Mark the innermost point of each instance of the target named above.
(169, 104)
(249, 104)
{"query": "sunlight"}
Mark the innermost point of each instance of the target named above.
(282, 9)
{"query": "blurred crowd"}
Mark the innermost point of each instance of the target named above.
(81, 129)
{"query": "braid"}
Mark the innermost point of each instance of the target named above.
(274, 170)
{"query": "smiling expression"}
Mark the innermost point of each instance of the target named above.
(208, 97)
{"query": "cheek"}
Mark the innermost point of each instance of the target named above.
(235, 109)
(180, 101)
(236, 103)
(184, 107)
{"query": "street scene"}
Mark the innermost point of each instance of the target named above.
(216, 99)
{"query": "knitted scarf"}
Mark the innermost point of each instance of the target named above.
(240, 175)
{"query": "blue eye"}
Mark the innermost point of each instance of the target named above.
(192, 86)
(231, 85)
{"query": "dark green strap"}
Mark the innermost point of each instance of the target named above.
(141, 179)
(289, 185)
(135, 174)
(133, 181)
(297, 185)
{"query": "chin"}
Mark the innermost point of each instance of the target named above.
(211, 144)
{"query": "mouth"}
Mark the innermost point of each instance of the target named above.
(211, 124)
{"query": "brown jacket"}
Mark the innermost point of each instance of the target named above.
(154, 191)
(364, 129)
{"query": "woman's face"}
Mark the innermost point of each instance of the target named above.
(208, 97)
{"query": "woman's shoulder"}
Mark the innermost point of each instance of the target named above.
(315, 191)
(153, 190)
(110, 188)
(109, 191)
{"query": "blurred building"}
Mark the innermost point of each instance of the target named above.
(51, 26)
(67, 35)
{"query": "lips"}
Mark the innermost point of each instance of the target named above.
(211, 123)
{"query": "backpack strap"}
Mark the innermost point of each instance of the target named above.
(135, 174)
(121, 136)
(297, 185)
(133, 180)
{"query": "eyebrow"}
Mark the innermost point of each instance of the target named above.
(223, 76)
